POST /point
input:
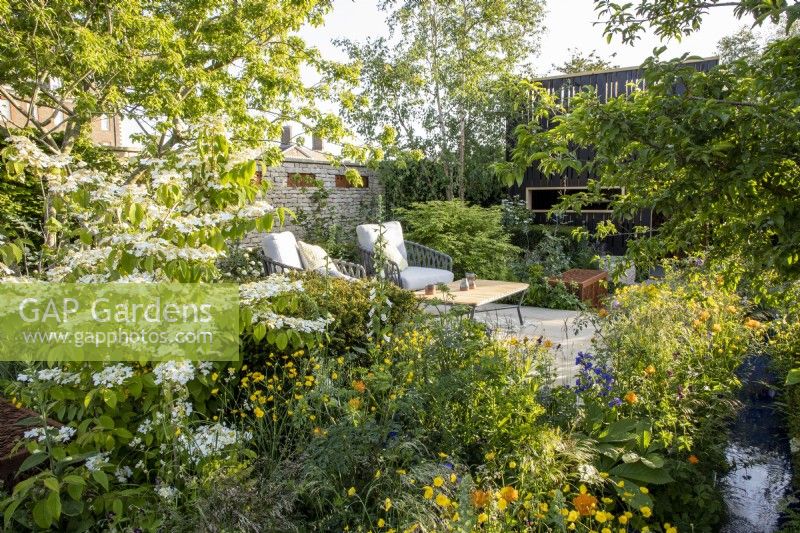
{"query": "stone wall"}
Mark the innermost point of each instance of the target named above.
(347, 206)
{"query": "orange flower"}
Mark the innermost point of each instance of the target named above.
(602, 313)
(509, 494)
(360, 386)
(693, 459)
(631, 397)
(479, 498)
(650, 370)
(584, 503)
(752, 323)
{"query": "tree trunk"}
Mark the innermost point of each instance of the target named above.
(435, 74)
(461, 150)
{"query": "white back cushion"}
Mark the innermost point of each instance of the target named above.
(392, 233)
(313, 257)
(282, 247)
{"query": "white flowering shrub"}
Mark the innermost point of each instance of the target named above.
(171, 223)
(136, 436)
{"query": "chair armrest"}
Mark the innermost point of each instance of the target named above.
(391, 269)
(420, 255)
(274, 267)
(351, 269)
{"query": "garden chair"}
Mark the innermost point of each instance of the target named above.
(409, 265)
(281, 253)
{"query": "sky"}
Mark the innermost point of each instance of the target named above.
(568, 24)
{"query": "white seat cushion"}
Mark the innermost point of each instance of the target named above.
(282, 247)
(415, 278)
(392, 233)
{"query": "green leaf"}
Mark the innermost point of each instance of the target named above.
(110, 397)
(41, 514)
(281, 340)
(101, 478)
(52, 484)
(54, 505)
(793, 377)
(32, 461)
(639, 472)
(106, 422)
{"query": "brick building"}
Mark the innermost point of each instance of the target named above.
(303, 172)
(106, 129)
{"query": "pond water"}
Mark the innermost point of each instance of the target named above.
(758, 451)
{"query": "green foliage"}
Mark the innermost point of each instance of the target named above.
(673, 346)
(321, 227)
(165, 64)
(670, 21)
(473, 236)
(350, 303)
(715, 159)
(542, 293)
(583, 62)
(442, 87)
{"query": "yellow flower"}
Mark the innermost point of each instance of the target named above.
(490, 456)
(602, 516)
(543, 507)
(428, 492)
(631, 397)
(502, 504)
(644, 490)
(512, 465)
(258, 412)
(605, 530)
(442, 500)
(646, 511)
(387, 504)
(650, 370)
(355, 403)
(716, 328)
(670, 529)
(622, 519)
(509, 494)
(214, 392)
(572, 516)
(381, 522)
(438, 481)
(483, 517)
(214, 376)
(351, 491)
(453, 478)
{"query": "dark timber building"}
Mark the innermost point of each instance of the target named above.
(540, 192)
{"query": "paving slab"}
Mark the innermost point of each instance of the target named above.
(560, 326)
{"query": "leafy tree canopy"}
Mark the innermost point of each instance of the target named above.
(164, 63)
(670, 19)
(440, 86)
(583, 62)
(717, 153)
